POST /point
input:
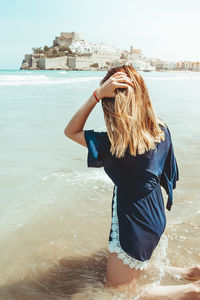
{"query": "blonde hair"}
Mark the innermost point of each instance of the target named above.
(130, 117)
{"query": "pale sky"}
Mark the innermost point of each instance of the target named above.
(166, 29)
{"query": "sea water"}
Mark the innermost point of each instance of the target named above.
(55, 211)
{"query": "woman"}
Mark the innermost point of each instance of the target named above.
(137, 154)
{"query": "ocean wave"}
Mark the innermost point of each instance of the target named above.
(19, 80)
(87, 179)
(30, 79)
(173, 78)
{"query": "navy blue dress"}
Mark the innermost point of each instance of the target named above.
(138, 212)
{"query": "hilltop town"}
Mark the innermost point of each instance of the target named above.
(70, 52)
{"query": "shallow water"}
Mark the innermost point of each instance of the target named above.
(56, 212)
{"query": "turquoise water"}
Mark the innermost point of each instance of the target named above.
(54, 208)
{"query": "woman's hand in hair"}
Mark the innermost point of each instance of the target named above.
(117, 80)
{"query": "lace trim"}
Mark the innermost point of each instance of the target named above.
(114, 245)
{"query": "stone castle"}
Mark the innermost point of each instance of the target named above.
(70, 52)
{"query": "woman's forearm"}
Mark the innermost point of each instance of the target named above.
(77, 122)
(74, 128)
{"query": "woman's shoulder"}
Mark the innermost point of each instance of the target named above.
(99, 134)
(162, 123)
(164, 126)
(168, 139)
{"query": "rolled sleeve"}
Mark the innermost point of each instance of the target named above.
(94, 141)
(170, 175)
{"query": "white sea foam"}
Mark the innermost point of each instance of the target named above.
(39, 79)
(19, 80)
(82, 178)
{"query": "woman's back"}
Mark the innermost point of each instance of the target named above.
(135, 176)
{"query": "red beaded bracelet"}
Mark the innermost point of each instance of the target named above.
(95, 96)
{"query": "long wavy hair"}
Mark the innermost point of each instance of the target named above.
(130, 118)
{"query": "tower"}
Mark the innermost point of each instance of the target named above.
(131, 50)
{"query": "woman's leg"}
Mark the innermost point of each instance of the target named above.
(119, 276)
(192, 273)
(118, 273)
(189, 291)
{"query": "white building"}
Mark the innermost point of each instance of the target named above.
(169, 66)
(84, 47)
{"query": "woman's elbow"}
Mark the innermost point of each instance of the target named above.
(67, 133)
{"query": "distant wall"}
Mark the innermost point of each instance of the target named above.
(35, 63)
(71, 62)
(41, 63)
(66, 62)
(84, 62)
(53, 63)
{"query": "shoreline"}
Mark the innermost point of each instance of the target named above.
(159, 71)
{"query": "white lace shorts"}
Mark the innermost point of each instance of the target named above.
(114, 245)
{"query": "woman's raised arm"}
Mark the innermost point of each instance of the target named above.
(74, 129)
